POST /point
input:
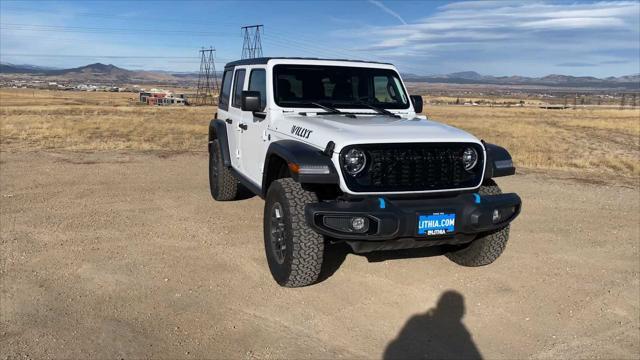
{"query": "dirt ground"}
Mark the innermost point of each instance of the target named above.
(125, 255)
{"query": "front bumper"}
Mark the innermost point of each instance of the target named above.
(390, 219)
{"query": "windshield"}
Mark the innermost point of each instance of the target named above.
(338, 86)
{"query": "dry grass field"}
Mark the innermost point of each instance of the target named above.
(598, 143)
(592, 142)
(48, 120)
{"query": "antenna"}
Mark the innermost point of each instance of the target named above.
(252, 44)
(207, 79)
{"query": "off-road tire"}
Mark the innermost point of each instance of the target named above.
(487, 247)
(223, 185)
(304, 247)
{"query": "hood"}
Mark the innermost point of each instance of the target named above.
(318, 130)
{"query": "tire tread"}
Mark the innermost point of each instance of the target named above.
(486, 248)
(226, 188)
(308, 246)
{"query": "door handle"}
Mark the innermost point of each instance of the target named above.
(243, 126)
(229, 121)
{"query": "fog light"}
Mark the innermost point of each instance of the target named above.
(358, 223)
(496, 216)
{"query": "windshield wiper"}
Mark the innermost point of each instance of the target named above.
(379, 110)
(326, 108)
(330, 110)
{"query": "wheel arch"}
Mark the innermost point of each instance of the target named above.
(287, 157)
(499, 162)
(218, 131)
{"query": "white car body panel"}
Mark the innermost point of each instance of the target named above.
(342, 130)
(369, 129)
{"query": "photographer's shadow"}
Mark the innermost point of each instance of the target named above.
(437, 334)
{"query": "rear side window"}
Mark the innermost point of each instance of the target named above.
(223, 102)
(258, 82)
(238, 83)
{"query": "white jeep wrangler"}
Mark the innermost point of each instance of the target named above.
(338, 151)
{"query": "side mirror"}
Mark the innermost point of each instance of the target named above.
(251, 101)
(416, 100)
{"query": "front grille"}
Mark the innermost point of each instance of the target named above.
(415, 167)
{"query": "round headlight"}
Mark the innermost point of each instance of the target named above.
(469, 158)
(354, 161)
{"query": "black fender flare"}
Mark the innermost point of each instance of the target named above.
(218, 130)
(499, 162)
(300, 155)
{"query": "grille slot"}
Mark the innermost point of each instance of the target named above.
(415, 167)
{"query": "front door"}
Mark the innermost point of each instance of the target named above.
(252, 135)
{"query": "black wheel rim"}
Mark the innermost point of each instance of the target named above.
(277, 233)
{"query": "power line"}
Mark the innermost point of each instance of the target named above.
(252, 45)
(208, 79)
(102, 56)
(163, 19)
(192, 58)
(85, 29)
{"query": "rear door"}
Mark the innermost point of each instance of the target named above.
(234, 116)
(224, 112)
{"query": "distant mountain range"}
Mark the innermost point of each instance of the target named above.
(101, 73)
(554, 80)
(96, 73)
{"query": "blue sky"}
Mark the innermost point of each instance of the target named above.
(593, 38)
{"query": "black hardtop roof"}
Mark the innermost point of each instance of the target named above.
(264, 60)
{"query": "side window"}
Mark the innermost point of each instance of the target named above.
(238, 83)
(258, 82)
(223, 101)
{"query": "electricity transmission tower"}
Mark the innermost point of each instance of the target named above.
(208, 79)
(252, 44)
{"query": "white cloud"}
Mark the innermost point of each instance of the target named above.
(574, 23)
(506, 34)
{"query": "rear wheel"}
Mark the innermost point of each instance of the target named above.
(487, 247)
(294, 251)
(222, 183)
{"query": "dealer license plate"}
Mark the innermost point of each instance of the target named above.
(436, 224)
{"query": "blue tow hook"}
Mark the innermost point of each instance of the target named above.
(382, 203)
(477, 197)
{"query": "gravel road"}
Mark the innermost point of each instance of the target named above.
(124, 255)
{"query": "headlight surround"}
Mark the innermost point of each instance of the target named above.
(354, 161)
(469, 158)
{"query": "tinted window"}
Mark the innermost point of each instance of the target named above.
(238, 83)
(258, 82)
(388, 89)
(223, 102)
(341, 86)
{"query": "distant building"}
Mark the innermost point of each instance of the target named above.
(161, 97)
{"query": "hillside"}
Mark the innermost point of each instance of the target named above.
(95, 73)
(628, 82)
(111, 74)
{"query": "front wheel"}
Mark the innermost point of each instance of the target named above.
(486, 248)
(294, 251)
